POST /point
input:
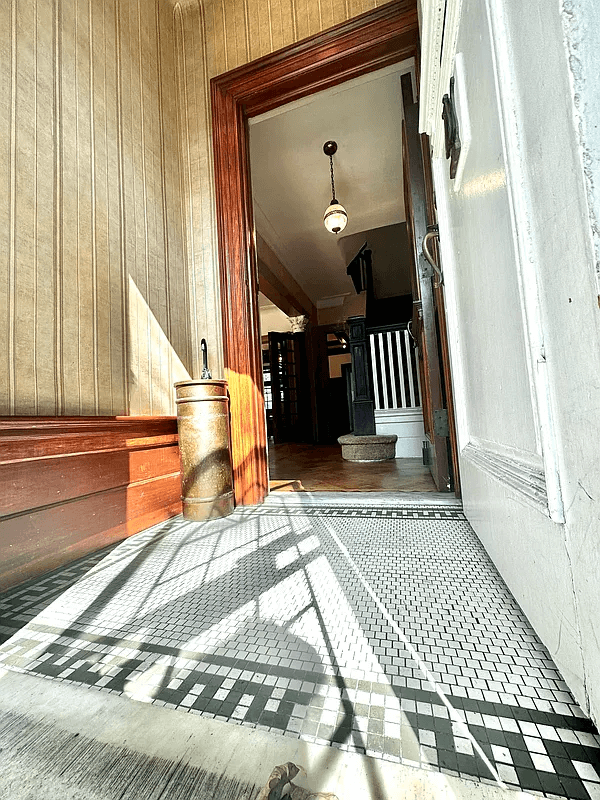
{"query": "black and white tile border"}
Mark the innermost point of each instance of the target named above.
(258, 620)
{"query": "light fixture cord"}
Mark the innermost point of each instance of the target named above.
(333, 200)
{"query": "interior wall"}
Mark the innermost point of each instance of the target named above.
(212, 38)
(390, 256)
(353, 305)
(273, 319)
(520, 282)
(571, 261)
(94, 284)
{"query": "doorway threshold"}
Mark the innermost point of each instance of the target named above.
(364, 500)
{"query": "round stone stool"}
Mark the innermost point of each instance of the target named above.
(368, 448)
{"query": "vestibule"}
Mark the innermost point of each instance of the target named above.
(113, 218)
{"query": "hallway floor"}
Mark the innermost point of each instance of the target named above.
(321, 468)
(364, 622)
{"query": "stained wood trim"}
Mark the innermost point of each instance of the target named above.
(23, 438)
(70, 485)
(440, 305)
(46, 538)
(426, 332)
(383, 36)
(370, 41)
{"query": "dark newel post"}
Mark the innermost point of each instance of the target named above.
(362, 402)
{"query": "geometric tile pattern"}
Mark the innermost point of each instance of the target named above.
(260, 620)
(20, 605)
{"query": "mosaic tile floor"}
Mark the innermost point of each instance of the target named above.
(261, 620)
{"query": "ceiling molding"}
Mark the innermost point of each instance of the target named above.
(439, 33)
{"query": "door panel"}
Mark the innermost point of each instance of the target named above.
(440, 310)
(424, 325)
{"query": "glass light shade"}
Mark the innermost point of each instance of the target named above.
(335, 218)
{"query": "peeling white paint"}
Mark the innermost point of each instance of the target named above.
(581, 28)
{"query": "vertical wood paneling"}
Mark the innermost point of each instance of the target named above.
(6, 90)
(12, 204)
(107, 225)
(44, 155)
(90, 171)
(212, 38)
(67, 211)
(56, 267)
(120, 257)
(23, 208)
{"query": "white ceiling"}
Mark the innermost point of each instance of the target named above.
(291, 181)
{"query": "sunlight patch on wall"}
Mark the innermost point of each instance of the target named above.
(485, 184)
(153, 364)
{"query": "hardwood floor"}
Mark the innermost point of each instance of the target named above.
(320, 468)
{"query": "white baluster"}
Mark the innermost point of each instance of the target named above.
(383, 372)
(393, 367)
(401, 365)
(410, 356)
(374, 371)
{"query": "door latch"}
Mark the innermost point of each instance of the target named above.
(441, 426)
(432, 233)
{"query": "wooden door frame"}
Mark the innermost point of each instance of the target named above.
(387, 35)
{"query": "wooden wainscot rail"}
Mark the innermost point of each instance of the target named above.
(72, 485)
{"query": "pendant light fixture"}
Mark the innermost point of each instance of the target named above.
(335, 217)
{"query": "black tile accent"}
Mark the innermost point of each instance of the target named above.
(467, 764)
(593, 756)
(480, 734)
(550, 783)
(445, 741)
(574, 789)
(555, 748)
(564, 767)
(529, 779)
(496, 737)
(442, 725)
(448, 759)
(521, 758)
(515, 741)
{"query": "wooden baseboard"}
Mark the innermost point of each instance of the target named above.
(71, 485)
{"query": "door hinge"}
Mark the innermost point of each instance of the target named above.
(441, 426)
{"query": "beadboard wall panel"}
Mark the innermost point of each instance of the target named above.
(94, 286)
(109, 272)
(211, 38)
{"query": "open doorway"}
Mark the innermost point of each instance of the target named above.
(313, 282)
(378, 39)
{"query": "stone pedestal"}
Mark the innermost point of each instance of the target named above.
(368, 448)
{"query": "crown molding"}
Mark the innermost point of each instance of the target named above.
(439, 32)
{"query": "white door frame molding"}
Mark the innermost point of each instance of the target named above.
(439, 30)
